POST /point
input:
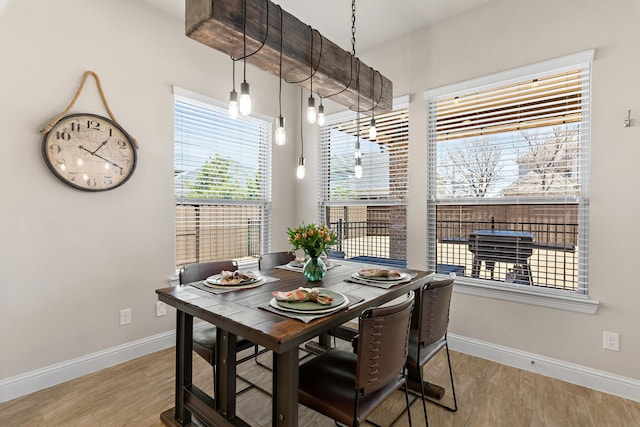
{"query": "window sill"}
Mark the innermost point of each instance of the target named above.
(550, 298)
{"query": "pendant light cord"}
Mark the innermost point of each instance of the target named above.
(244, 37)
(301, 109)
(280, 91)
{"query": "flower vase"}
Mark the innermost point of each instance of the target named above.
(314, 269)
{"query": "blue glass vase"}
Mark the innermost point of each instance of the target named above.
(314, 269)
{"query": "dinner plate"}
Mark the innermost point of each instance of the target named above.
(274, 303)
(357, 275)
(249, 285)
(305, 306)
(299, 265)
(215, 280)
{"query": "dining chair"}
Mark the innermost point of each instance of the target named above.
(346, 386)
(204, 338)
(273, 259)
(428, 334)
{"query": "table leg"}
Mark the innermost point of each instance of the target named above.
(285, 389)
(225, 385)
(184, 336)
(431, 390)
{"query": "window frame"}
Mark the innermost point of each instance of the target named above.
(263, 203)
(547, 297)
(324, 202)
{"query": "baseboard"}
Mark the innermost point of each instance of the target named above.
(39, 379)
(606, 382)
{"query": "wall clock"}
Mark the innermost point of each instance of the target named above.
(89, 152)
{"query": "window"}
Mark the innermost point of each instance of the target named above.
(222, 182)
(369, 213)
(508, 186)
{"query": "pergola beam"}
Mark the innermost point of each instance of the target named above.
(219, 24)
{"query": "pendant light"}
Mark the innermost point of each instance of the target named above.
(233, 95)
(373, 133)
(358, 154)
(321, 117)
(245, 98)
(312, 115)
(300, 171)
(280, 134)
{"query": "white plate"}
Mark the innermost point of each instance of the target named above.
(258, 282)
(402, 277)
(273, 303)
(215, 280)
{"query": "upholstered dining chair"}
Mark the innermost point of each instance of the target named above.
(273, 259)
(428, 334)
(347, 387)
(204, 338)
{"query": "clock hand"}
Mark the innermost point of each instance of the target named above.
(100, 146)
(100, 157)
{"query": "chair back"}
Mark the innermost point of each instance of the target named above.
(382, 345)
(273, 259)
(433, 314)
(201, 270)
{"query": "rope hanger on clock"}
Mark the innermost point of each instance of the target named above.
(88, 73)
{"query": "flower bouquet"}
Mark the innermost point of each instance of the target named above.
(314, 241)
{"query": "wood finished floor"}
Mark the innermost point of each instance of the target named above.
(136, 392)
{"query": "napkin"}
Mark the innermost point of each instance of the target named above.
(304, 294)
(234, 277)
(379, 272)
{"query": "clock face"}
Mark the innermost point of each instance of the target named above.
(89, 152)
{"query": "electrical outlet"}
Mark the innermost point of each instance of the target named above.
(161, 308)
(611, 341)
(125, 316)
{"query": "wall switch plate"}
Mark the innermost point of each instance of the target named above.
(125, 316)
(611, 341)
(161, 308)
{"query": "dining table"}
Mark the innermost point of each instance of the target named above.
(250, 313)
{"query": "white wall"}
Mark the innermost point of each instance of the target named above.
(70, 260)
(505, 34)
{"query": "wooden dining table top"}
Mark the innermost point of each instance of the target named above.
(239, 312)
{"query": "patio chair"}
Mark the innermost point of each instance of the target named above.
(347, 387)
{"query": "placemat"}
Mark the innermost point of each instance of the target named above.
(380, 283)
(200, 285)
(306, 318)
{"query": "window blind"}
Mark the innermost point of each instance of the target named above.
(510, 153)
(384, 161)
(222, 182)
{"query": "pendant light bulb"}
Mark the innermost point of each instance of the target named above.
(373, 132)
(233, 104)
(300, 172)
(358, 168)
(245, 99)
(321, 118)
(281, 134)
(312, 115)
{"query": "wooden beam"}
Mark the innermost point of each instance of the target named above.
(219, 24)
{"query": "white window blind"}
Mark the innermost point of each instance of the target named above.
(384, 161)
(368, 213)
(222, 182)
(508, 159)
